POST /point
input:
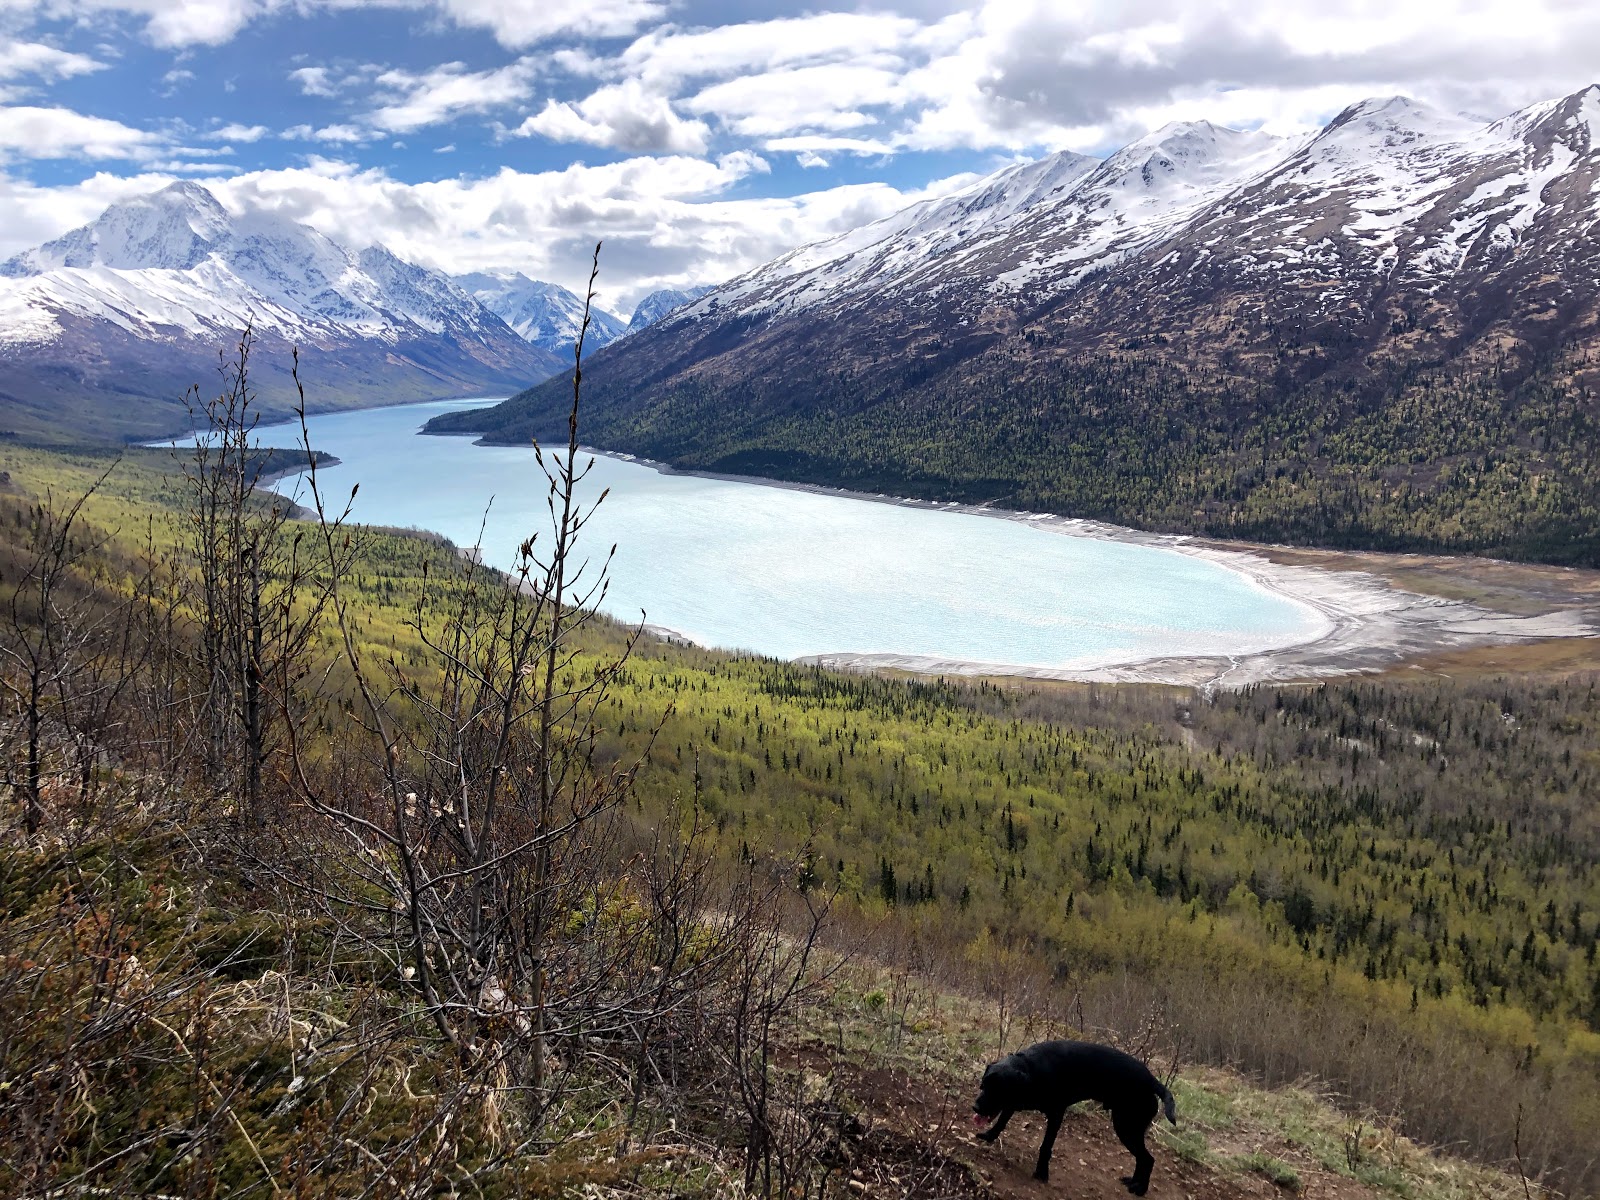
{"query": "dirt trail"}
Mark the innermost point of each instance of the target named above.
(917, 1140)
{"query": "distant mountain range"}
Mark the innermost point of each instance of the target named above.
(103, 329)
(1383, 333)
(549, 316)
(657, 305)
(546, 314)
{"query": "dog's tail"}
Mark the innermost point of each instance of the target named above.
(1167, 1105)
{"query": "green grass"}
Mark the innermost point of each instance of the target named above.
(1409, 896)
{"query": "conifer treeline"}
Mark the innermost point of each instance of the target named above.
(1494, 461)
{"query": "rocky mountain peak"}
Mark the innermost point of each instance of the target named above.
(1185, 154)
(1572, 122)
(658, 304)
(173, 229)
(1019, 188)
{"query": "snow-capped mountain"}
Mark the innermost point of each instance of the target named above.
(546, 314)
(549, 316)
(1396, 234)
(658, 304)
(1384, 334)
(122, 315)
(1391, 201)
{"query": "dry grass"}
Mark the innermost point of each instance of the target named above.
(1303, 1138)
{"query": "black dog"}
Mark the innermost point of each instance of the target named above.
(1050, 1077)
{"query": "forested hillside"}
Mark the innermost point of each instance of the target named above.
(1432, 461)
(1391, 887)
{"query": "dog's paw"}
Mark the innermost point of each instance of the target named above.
(1135, 1186)
(1042, 1174)
(988, 1135)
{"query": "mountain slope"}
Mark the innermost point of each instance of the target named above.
(103, 329)
(1379, 335)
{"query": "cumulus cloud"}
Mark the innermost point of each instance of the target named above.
(314, 81)
(1028, 75)
(32, 132)
(514, 23)
(417, 99)
(519, 23)
(622, 116)
(36, 60)
(824, 96)
(666, 220)
(237, 133)
(672, 54)
(1031, 73)
(337, 134)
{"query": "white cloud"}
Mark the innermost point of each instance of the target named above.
(1028, 75)
(237, 133)
(519, 23)
(514, 23)
(815, 143)
(825, 96)
(167, 23)
(670, 54)
(449, 91)
(314, 81)
(30, 132)
(19, 60)
(623, 116)
(666, 221)
(174, 79)
(335, 134)
(345, 134)
(1038, 74)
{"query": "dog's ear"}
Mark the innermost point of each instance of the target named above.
(1007, 1074)
(1019, 1067)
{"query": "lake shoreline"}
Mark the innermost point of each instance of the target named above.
(1366, 622)
(1373, 624)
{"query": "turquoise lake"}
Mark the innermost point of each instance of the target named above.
(791, 573)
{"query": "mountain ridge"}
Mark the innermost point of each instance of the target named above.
(1321, 310)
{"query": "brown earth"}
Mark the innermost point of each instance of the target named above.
(916, 1138)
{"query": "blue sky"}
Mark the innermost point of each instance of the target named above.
(697, 137)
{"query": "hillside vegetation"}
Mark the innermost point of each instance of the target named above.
(488, 869)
